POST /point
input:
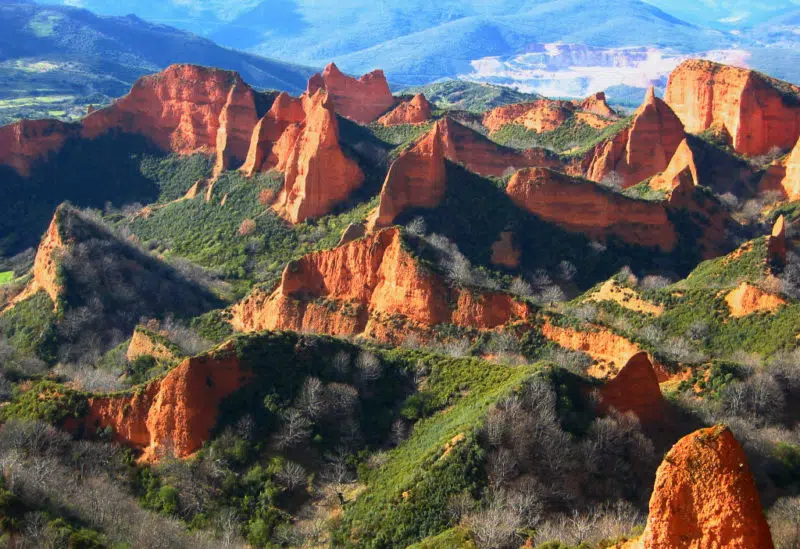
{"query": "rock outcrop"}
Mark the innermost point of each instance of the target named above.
(635, 389)
(641, 150)
(747, 299)
(504, 252)
(26, 142)
(465, 146)
(672, 177)
(582, 206)
(414, 111)
(267, 149)
(596, 104)
(318, 175)
(776, 244)
(371, 287)
(417, 179)
(354, 231)
(147, 343)
(705, 496)
(361, 100)
(791, 179)
(175, 413)
(542, 115)
(758, 112)
(185, 109)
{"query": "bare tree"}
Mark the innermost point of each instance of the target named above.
(292, 476)
(296, 429)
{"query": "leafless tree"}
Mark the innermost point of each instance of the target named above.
(295, 430)
(312, 398)
(417, 226)
(292, 476)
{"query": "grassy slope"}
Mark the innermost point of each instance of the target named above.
(470, 96)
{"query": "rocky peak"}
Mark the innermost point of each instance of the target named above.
(777, 242)
(635, 389)
(318, 174)
(416, 179)
(758, 112)
(597, 104)
(264, 152)
(671, 178)
(705, 496)
(791, 180)
(414, 111)
(362, 100)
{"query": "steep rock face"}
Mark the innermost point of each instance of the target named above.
(635, 389)
(416, 179)
(671, 178)
(482, 156)
(597, 104)
(145, 342)
(705, 496)
(371, 287)
(504, 252)
(791, 179)
(543, 115)
(176, 412)
(748, 105)
(185, 109)
(643, 149)
(415, 111)
(318, 174)
(777, 242)
(361, 100)
(26, 142)
(265, 152)
(583, 206)
(747, 299)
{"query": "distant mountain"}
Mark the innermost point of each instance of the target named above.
(470, 96)
(53, 58)
(725, 13)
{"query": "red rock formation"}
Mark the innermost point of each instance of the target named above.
(147, 343)
(417, 179)
(757, 114)
(26, 142)
(318, 174)
(635, 389)
(504, 252)
(582, 206)
(641, 150)
(747, 299)
(266, 150)
(597, 104)
(791, 180)
(370, 287)
(482, 156)
(200, 186)
(705, 496)
(415, 111)
(354, 231)
(362, 100)
(682, 160)
(176, 412)
(184, 109)
(777, 242)
(542, 115)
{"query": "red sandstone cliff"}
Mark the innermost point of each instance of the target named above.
(641, 150)
(542, 115)
(370, 287)
(416, 179)
(777, 242)
(415, 111)
(482, 156)
(362, 100)
(705, 496)
(596, 104)
(264, 151)
(635, 389)
(318, 174)
(582, 206)
(671, 178)
(752, 109)
(176, 412)
(791, 180)
(26, 142)
(146, 343)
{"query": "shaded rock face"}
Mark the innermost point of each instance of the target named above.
(354, 231)
(582, 206)
(416, 179)
(543, 115)
(643, 149)
(371, 287)
(145, 343)
(176, 412)
(361, 100)
(484, 157)
(415, 111)
(26, 142)
(635, 389)
(791, 179)
(748, 299)
(318, 174)
(756, 114)
(185, 109)
(705, 496)
(504, 252)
